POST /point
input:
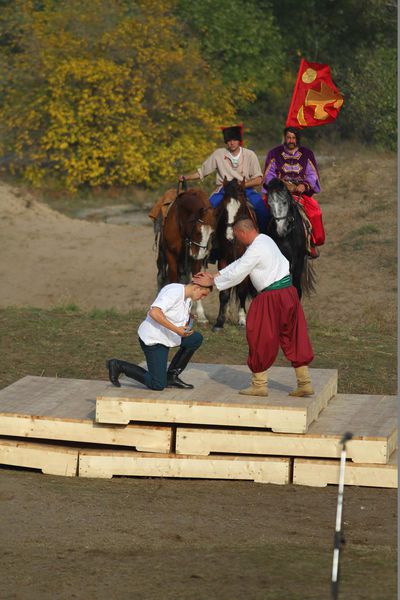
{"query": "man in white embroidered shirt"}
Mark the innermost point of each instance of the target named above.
(275, 316)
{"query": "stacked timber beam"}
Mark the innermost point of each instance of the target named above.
(92, 429)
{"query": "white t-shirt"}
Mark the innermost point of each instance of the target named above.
(263, 261)
(171, 300)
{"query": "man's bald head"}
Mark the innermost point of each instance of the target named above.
(244, 224)
(245, 231)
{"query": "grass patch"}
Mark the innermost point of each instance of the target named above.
(75, 344)
(98, 313)
(366, 230)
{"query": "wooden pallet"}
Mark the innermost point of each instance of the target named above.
(371, 419)
(320, 473)
(215, 400)
(63, 409)
(106, 464)
(52, 460)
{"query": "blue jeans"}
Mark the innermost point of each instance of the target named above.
(157, 357)
(255, 199)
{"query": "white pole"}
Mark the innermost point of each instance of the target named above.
(338, 539)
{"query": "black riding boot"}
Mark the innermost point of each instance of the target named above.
(116, 367)
(178, 364)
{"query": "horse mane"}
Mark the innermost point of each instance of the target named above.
(276, 185)
(192, 199)
(232, 188)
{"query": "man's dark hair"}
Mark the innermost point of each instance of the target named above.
(293, 130)
(245, 222)
(207, 287)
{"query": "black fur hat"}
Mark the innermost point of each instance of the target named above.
(233, 133)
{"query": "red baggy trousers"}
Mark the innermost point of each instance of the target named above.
(276, 318)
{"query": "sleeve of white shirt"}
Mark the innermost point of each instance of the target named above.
(234, 273)
(209, 166)
(166, 299)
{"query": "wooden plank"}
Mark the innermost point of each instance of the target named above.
(105, 464)
(215, 400)
(52, 460)
(63, 409)
(372, 419)
(320, 473)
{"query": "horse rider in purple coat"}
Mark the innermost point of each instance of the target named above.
(294, 164)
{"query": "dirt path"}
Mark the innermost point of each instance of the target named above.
(155, 539)
(49, 259)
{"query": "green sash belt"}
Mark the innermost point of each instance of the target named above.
(281, 283)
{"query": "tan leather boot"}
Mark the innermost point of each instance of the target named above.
(259, 383)
(304, 387)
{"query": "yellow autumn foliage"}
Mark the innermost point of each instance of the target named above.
(106, 92)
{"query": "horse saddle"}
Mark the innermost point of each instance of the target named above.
(162, 206)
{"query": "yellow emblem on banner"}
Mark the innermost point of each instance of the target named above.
(300, 116)
(320, 99)
(309, 75)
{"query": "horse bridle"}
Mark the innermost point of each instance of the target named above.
(289, 218)
(188, 239)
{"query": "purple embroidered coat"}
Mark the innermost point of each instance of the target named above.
(297, 167)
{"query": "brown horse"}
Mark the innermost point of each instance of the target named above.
(233, 205)
(185, 240)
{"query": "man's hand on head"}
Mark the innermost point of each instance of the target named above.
(204, 279)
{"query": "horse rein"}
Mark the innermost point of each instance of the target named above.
(188, 239)
(289, 218)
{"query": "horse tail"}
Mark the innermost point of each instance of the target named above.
(308, 278)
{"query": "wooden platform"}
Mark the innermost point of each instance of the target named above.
(64, 409)
(319, 473)
(371, 419)
(102, 463)
(215, 400)
(53, 460)
(212, 432)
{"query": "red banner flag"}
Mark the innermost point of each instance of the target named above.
(316, 99)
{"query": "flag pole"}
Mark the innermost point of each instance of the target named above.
(339, 539)
(295, 89)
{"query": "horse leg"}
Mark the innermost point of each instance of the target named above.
(200, 314)
(242, 295)
(172, 266)
(199, 310)
(161, 269)
(296, 270)
(223, 303)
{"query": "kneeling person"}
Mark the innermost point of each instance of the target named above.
(167, 325)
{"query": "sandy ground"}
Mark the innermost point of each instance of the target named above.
(49, 259)
(161, 539)
(155, 539)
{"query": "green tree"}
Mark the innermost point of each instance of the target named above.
(104, 92)
(358, 41)
(241, 43)
(371, 97)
